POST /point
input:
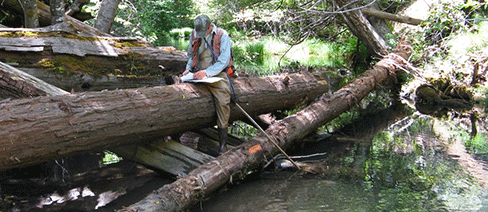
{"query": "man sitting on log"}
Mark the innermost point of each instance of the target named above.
(209, 55)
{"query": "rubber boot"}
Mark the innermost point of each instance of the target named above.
(222, 140)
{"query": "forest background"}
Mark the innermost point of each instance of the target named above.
(289, 36)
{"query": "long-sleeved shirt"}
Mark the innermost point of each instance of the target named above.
(222, 60)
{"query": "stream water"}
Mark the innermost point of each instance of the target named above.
(400, 161)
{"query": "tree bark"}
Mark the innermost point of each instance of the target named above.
(45, 17)
(106, 15)
(76, 6)
(30, 13)
(39, 129)
(378, 24)
(17, 84)
(82, 82)
(233, 165)
(58, 50)
(362, 29)
(57, 11)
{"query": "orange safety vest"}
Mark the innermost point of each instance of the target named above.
(196, 42)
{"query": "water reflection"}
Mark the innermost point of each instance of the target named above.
(71, 195)
(405, 162)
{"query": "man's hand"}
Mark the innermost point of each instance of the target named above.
(199, 75)
(185, 72)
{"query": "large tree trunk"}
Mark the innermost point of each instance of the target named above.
(106, 15)
(362, 29)
(57, 11)
(232, 165)
(38, 129)
(45, 17)
(30, 13)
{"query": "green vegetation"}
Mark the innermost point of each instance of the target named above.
(110, 158)
(478, 144)
(280, 36)
(262, 44)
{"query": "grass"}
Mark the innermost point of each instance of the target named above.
(269, 55)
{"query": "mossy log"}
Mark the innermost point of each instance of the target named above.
(34, 130)
(252, 154)
(59, 50)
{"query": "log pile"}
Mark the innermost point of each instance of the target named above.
(233, 165)
(43, 128)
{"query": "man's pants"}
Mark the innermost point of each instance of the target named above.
(221, 93)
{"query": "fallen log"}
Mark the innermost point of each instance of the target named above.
(17, 84)
(34, 130)
(235, 163)
(81, 82)
(63, 50)
(168, 156)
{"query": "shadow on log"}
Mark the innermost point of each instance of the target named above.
(234, 164)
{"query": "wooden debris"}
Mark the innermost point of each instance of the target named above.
(235, 163)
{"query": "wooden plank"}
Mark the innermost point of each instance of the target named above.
(174, 157)
(169, 156)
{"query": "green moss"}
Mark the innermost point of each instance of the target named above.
(65, 64)
(79, 37)
(117, 44)
(19, 34)
(129, 44)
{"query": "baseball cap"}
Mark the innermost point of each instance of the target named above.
(201, 24)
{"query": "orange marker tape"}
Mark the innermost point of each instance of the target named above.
(255, 148)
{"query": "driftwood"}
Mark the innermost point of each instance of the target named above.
(169, 156)
(233, 165)
(34, 130)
